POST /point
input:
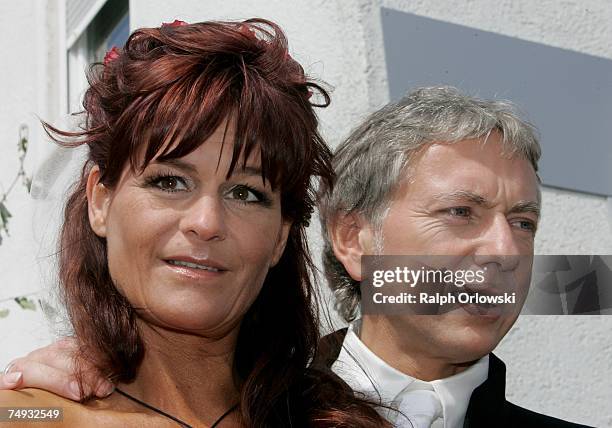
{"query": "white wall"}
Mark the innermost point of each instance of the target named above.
(24, 78)
(557, 365)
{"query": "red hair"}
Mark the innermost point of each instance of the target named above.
(161, 97)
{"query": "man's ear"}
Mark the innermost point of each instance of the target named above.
(98, 202)
(351, 237)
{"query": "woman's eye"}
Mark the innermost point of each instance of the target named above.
(170, 183)
(244, 194)
(460, 211)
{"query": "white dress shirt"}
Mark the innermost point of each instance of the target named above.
(365, 372)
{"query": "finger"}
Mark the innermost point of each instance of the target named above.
(59, 355)
(41, 376)
(53, 368)
(11, 380)
(59, 381)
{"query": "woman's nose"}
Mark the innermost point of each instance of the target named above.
(204, 218)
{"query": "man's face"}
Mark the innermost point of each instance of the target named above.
(463, 199)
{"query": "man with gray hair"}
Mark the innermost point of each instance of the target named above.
(437, 174)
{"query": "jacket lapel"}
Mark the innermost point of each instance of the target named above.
(329, 348)
(487, 402)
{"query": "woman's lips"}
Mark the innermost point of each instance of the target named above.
(204, 263)
(197, 269)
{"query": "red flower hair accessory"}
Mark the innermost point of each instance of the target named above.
(111, 55)
(247, 31)
(175, 23)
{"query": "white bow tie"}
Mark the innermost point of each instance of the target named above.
(419, 409)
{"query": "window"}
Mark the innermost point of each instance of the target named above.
(93, 27)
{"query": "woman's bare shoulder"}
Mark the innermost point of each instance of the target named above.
(63, 412)
(32, 406)
(32, 397)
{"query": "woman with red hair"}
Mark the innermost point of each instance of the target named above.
(183, 259)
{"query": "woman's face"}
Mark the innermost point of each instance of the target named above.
(187, 247)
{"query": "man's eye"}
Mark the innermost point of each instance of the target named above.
(525, 225)
(460, 211)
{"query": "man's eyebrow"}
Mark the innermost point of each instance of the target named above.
(526, 207)
(462, 195)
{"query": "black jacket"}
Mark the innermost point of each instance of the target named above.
(488, 407)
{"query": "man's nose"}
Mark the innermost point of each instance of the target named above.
(204, 219)
(497, 244)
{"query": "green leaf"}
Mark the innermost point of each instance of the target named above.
(27, 182)
(26, 303)
(4, 313)
(5, 214)
(23, 145)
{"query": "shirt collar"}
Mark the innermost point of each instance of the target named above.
(455, 391)
(366, 372)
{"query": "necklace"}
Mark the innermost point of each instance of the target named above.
(174, 418)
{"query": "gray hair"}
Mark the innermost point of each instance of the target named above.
(373, 160)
